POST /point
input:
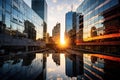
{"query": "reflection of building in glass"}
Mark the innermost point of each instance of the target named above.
(30, 30)
(79, 27)
(74, 65)
(18, 20)
(40, 7)
(101, 17)
(101, 67)
(70, 25)
(93, 68)
(56, 33)
(56, 58)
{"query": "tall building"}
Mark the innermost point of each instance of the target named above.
(47, 38)
(70, 25)
(40, 7)
(70, 21)
(100, 17)
(18, 23)
(56, 33)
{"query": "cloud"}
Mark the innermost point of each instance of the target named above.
(75, 6)
(54, 1)
(80, 0)
(60, 7)
(51, 70)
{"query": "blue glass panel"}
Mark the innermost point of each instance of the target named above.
(0, 15)
(8, 7)
(7, 19)
(0, 3)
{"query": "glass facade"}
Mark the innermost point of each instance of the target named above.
(70, 21)
(101, 17)
(19, 20)
(40, 7)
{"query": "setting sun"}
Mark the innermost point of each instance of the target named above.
(62, 42)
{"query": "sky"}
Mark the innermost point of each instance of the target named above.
(56, 12)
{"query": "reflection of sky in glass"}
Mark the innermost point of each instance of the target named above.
(69, 21)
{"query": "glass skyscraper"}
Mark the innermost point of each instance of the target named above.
(40, 7)
(70, 21)
(101, 17)
(18, 20)
(70, 25)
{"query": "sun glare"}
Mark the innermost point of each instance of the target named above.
(62, 42)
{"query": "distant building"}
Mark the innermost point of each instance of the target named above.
(40, 7)
(70, 26)
(44, 31)
(56, 33)
(47, 38)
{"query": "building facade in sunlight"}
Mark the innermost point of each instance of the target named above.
(70, 26)
(56, 33)
(18, 23)
(40, 7)
(100, 17)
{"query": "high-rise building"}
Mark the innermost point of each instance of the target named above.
(100, 17)
(40, 7)
(56, 33)
(70, 21)
(70, 26)
(18, 22)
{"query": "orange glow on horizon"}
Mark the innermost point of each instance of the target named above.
(63, 43)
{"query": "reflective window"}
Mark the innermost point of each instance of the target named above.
(8, 2)
(8, 7)
(114, 2)
(20, 28)
(7, 19)
(0, 3)
(16, 12)
(14, 26)
(0, 15)
(106, 6)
